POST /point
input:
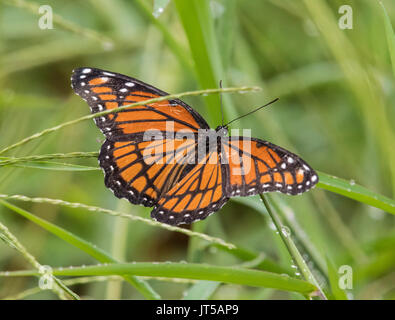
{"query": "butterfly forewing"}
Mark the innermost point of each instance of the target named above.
(104, 90)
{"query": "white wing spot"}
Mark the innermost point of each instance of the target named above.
(108, 74)
(283, 165)
(314, 178)
(83, 76)
(129, 84)
(83, 84)
(123, 90)
(290, 160)
(87, 70)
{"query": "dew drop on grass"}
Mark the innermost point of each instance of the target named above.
(158, 12)
(285, 231)
(352, 182)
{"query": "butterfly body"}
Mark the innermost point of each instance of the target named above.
(164, 155)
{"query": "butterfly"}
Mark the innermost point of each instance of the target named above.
(164, 155)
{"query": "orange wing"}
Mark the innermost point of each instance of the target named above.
(197, 195)
(140, 171)
(104, 90)
(129, 171)
(257, 166)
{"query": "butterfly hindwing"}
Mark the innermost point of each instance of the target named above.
(257, 166)
(196, 196)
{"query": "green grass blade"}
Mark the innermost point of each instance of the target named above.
(83, 245)
(389, 32)
(199, 28)
(337, 293)
(233, 275)
(356, 192)
(54, 166)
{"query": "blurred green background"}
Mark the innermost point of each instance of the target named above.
(336, 90)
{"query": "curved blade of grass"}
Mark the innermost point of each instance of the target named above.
(187, 232)
(97, 253)
(356, 192)
(243, 254)
(186, 271)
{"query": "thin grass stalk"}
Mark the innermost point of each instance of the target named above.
(58, 287)
(106, 112)
(285, 235)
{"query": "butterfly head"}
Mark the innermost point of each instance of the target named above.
(222, 131)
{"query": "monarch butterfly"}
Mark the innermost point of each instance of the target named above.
(183, 169)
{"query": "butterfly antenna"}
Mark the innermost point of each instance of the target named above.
(267, 104)
(220, 98)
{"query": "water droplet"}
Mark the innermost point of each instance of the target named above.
(158, 12)
(285, 231)
(352, 182)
